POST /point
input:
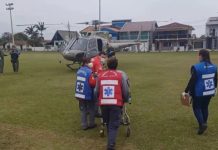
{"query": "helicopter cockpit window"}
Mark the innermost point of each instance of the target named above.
(92, 48)
(92, 44)
(80, 44)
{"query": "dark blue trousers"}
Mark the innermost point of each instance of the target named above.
(87, 109)
(200, 108)
(112, 117)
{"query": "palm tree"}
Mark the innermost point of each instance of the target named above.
(41, 27)
(34, 36)
(31, 32)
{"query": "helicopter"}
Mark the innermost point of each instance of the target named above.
(91, 44)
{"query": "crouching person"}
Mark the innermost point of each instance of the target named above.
(112, 90)
(85, 84)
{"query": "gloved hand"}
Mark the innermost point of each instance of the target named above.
(90, 65)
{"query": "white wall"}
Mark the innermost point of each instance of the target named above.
(41, 49)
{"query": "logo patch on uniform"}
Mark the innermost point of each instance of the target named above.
(80, 87)
(108, 91)
(209, 84)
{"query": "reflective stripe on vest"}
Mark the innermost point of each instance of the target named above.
(83, 90)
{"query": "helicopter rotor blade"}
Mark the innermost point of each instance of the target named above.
(23, 25)
(86, 23)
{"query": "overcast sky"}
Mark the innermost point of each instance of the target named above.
(192, 12)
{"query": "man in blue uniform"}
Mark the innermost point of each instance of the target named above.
(202, 87)
(15, 58)
(85, 83)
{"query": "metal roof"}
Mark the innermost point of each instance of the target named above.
(139, 26)
(88, 29)
(212, 21)
(174, 27)
(122, 20)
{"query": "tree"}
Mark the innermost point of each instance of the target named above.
(41, 27)
(5, 38)
(21, 37)
(34, 36)
(31, 32)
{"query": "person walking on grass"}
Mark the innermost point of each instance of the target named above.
(85, 84)
(2, 55)
(15, 58)
(97, 66)
(202, 87)
(112, 90)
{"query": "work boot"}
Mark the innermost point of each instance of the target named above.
(111, 147)
(202, 129)
(93, 126)
(85, 128)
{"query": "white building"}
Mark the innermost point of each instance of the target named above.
(212, 33)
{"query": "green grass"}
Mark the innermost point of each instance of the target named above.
(38, 109)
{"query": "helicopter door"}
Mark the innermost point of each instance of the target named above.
(92, 48)
(100, 45)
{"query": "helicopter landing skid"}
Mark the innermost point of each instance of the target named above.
(70, 66)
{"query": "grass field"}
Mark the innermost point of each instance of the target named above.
(38, 110)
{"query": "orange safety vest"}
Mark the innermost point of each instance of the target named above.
(110, 91)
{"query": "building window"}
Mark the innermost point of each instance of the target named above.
(134, 35)
(173, 34)
(124, 36)
(144, 35)
(182, 43)
(212, 32)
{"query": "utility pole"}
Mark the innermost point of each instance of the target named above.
(10, 8)
(68, 27)
(99, 15)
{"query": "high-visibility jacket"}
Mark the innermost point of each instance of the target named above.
(205, 84)
(84, 89)
(97, 66)
(110, 88)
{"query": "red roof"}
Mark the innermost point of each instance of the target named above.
(88, 29)
(174, 27)
(139, 26)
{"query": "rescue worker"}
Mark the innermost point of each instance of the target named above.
(202, 87)
(110, 51)
(2, 61)
(112, 90)
(15, 58)
(97, 65)
(85, 84)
